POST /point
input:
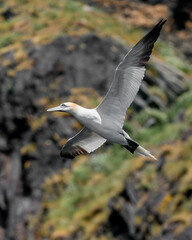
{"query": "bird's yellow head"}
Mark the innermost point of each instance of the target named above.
(64, 107)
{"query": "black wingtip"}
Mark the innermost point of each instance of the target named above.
(144, 47)
(163, 21)
(73, 152)
(157, 28)
(153, 34)
(160, 23)
(140, 53)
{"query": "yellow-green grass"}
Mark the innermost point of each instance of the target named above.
(41, 22)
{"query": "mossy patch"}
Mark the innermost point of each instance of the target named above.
(43, 22)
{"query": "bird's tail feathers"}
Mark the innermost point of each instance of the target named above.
(143, 152)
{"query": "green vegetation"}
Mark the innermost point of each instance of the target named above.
(182, 103)
(159, 117)
(167, 51)
(8, 39)
(163, 129)
(41, 22)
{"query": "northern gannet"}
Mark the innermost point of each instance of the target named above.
(105, 122)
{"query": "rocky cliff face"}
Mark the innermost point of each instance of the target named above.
(31, 138)
(144, 13)
(108, 195)
(179, 11)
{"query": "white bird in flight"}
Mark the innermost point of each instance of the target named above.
(105, 122)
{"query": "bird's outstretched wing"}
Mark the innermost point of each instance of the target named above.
(128, 77)
(83, 142)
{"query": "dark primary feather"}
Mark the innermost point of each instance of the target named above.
(140, 53)
(72, 152)
(71, 148)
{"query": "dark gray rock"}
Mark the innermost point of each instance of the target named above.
(170, 80)
(46, 60)
(186, 234)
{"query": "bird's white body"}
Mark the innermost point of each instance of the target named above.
(102, 125)
(105, 123)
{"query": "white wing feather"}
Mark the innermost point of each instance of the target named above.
(122, 92)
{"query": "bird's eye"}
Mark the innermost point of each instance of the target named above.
(63, 105)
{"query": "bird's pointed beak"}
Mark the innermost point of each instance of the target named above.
(55, 109)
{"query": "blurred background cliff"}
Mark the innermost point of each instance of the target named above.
(56, 51)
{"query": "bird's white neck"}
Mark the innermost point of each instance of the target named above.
(86, 116)
(78, 111)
